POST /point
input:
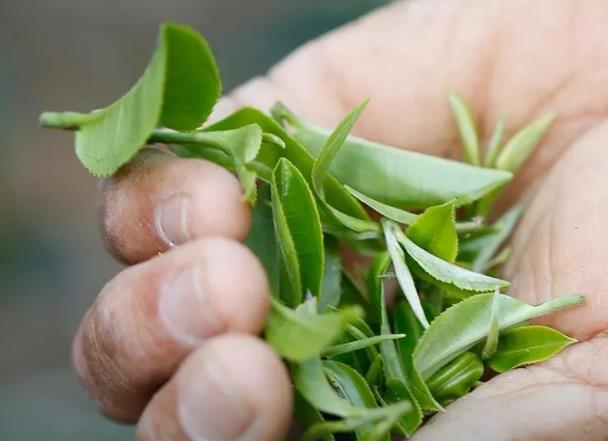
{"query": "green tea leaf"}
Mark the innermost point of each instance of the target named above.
(308, 416)
(320, 170)
(466, 127)
(261, 239)
(392, 213)
(495, 144)
(297, 335)
(448, 272)
(331, 291)
(489, 348)
(352, 386)
(301, 219)
(397, 177)
(456, 378)
(503, 228)
(178, 89)
(466, 324)
(404, 277)
(435, 231)
(270, 153)
(527, 344)
(356, 345)
(311, 382)
(396, 383)
(522, 144)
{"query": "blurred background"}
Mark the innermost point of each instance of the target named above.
(80, 55)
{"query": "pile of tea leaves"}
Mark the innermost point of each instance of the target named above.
(371, 350)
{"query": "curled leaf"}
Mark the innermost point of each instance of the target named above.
(466, 127)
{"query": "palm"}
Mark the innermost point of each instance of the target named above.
(518, 59)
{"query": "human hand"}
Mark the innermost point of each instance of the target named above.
(139, 350)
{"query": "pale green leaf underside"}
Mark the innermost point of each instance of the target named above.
(298, 336)
(448, 272)
(178, 89)
(467, 323)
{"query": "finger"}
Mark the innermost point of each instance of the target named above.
(560, 245)
(563, 399)
(494, 54)
(160, 200)
(233, 388)
(150, 316)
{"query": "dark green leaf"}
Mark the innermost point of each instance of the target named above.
(308, 415)
(527, 344)
(299, 225)
(331, 291)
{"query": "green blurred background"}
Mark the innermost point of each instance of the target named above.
(80, 55)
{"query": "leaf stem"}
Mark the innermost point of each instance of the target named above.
(63, 120)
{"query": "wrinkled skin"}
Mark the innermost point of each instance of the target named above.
(209, 378)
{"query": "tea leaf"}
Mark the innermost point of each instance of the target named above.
(404, 277)
(392, 213)
(301, 219)
(495, 143)
(178, 89)
(331, 291)
(522, 144)
(352, 386)
(448, 272)
(489, 348)
(466, 127)
(297, 335)
(466, 324)
(262, 241)
(397, 177)
(270, 153)
(310, 381)
(320, 170)
(359, 344)
(527, 344)
(396, 384)
(456, 378)
(435, 231)
(503, 228)
(308, 415)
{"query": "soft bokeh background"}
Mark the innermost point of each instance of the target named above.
(80, 55)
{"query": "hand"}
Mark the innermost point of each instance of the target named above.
(171, 341)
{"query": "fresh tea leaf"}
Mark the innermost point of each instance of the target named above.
(297, 335)
(331, 291)
(392, 213)
(495, 144)
(466, 127)
(456, 378)
(308, 415)
(489, 348)
(466, 324)
(527, 344)
(178, 89)
(448, 272)
(320, 170)
(303, 224)
(362, 343)
(435, 231)
(397, 177)
(404, 277)
(522, 144)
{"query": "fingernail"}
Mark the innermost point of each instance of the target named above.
(185, 309)
(172, 219)
(211, 408)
